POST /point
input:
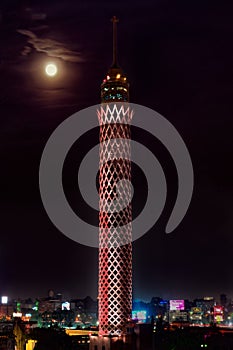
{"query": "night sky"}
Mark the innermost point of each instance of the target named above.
(178, 57)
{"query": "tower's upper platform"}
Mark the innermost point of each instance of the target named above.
(115, 86)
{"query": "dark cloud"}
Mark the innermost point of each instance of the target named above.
(51, 47)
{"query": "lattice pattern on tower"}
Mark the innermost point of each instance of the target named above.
(115, 230)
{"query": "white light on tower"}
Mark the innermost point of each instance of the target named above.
(4, 299)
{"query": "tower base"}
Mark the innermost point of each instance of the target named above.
(125, 342)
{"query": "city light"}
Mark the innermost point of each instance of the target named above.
(4, 299)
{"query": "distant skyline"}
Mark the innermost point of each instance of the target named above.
(178, 59)
(148, 300)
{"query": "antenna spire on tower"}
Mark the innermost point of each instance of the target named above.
(115, 86)
(114, 20)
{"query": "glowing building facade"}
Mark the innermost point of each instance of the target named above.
(115, 211)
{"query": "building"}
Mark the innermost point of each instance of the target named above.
(178, 316)
(49, 305)
(85, 311)
(115, 230)
(196, 315)
(159, 307)
(206, 304)
(223, 300)
(218, 314)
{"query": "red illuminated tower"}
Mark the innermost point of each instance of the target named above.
(115, 211)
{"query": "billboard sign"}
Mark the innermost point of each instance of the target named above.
(139, 315)
(65, 305)
(218, 313)
(176, 305)
(4, 299)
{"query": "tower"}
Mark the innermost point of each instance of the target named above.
(115, 210)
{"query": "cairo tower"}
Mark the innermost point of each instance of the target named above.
(115, 210)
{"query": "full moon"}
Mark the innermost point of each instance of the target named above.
(51, 69)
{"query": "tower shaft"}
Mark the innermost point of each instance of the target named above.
(115, 210)
(115, 230)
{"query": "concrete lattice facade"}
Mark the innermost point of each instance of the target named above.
(115, 229)
(115, 210)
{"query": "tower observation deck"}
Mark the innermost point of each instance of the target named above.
(115, 210)
(115, 87)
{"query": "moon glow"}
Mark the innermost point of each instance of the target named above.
(51, 69)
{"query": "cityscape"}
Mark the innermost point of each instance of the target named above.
(210, 320)
(117, 175)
